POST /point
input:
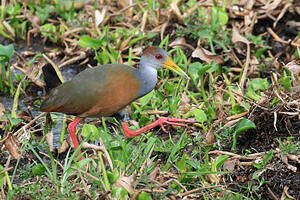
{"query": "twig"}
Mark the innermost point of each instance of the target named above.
(29, 124)
(5, 170)
(248, 157)
(276, 37)
(245, 71)
(81, 56)
(62, 167)
(86, 173)
(150, 153)
(199, 189)
(176, 181)
(247, 98)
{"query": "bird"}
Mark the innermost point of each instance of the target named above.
(107, 89)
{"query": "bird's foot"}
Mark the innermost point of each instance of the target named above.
(160, 122)
(172, 121)
(72, 131)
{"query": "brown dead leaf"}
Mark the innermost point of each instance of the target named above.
(294, 67)
(49, 135)
(175, 10)
(207, 56)
(218, 97)
(134, 123)
(154, 173)
(49, 140)
(271, 5)
(33, 73)
(230, 164)
(294, 157)
(236, 37)
(180, 42)
(124, 44)
(184, 103)
(63, 147)
(2, 108)
(249, 4)
(144, 21)
(283, 11)
(13, 146)
(126, 183)
(284, 159)
(213, 178)
(210, 137)
(124, 4)
(87, 145)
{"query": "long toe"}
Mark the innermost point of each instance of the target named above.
(181, 120)
(176, 124)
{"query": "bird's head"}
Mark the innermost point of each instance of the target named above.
(158, 58)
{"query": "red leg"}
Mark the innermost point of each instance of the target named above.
(160, 122)
(72, 130)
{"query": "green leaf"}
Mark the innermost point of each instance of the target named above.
(260, 51)
(200, 115)
(259, 84)
(4, 34)
(267, 157)
(16, 102)
(144, 196)
(220, 161)
(120, 193)
(104, 56)
(145, 99)
(173, 104)
(86, 41)
(257, 166)
(257, 174)
(203, 69)
(252, 94)
(48, 30)
(255, 85)
(38, 170)
(2, 176)
(43, 13)
(237, 109)
(91, 131)
(193, 70)
(244, 124)
(115, 145)
(182, 163)
(219, 16)
(286, 81)
(6, 52)
(113, 177)
(15, 121)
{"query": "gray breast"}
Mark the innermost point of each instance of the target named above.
(148, 78)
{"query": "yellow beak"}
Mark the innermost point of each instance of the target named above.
(169, 64)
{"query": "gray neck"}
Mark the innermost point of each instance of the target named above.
(148, 78)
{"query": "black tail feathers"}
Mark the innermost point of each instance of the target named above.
(50, 77)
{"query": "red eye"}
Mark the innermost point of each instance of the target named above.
(158, 57)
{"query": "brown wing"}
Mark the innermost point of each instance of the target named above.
(100, 91)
